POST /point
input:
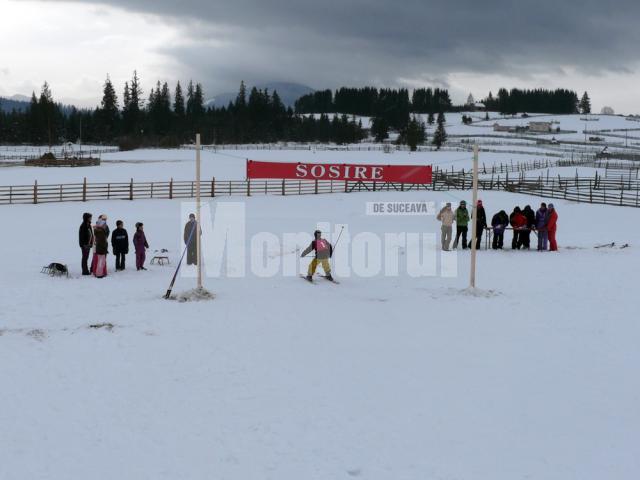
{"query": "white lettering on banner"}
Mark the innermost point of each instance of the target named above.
(334, 171)
(301, 170)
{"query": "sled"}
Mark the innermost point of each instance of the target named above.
(55, 269)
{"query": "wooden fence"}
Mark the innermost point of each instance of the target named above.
(597, 189)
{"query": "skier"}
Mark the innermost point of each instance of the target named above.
(542, 218)
(140, 244)
(120, 244)
(499, 222)
(552, 226)
(192, 245)
(102, 249)
(323, 252)
(462, 222)
(85, 239)
(525, 233)
(446, 216)
(481, 224)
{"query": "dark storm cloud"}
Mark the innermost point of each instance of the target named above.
(326, 43)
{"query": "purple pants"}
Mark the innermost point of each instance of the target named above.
(140, 257)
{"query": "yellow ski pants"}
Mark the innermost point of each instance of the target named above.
(314, 264)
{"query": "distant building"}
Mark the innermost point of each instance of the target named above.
(540, 127)
(502, 128)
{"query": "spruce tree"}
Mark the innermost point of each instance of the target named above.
(440, 135)
(430, 119)
(379, 129)
(585, 104)
(109, 114)
(415, 134)
(178, 101)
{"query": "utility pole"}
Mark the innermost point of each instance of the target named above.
(198, 247)
(474, 219)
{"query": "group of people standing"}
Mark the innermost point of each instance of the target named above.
(96, 238)
(543, 223)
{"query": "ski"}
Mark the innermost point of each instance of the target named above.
(304, 277)
(609, 245)
(626, 245)
(332, 280)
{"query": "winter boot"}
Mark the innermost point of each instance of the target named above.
(329, 277)
(308, 278)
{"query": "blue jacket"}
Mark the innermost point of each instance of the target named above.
(542, 217)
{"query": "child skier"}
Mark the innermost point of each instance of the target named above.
(323, 252)
(120, 244)
(140, 244)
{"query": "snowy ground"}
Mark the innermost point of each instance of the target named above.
(375, 378)
(163, 164)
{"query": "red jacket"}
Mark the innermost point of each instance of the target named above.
(518, 221)
(553, 221)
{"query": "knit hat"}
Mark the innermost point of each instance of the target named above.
(139, 224)
(480, 202)
(550, 205)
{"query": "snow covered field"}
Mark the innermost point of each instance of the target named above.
(376, 378)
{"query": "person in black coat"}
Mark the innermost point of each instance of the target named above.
(525, 235)
(190, 240)
(499, 222)
(481, 224)
(85, 239)
(120, 244)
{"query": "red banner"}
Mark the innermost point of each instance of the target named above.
(340, 171)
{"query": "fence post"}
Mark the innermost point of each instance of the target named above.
(316, 186)
(283, 189)
(35, 191)
(213, 186)
(10, 194)
(60, 192)
(248, 187)
(346, 187)
(84, 189)
(108, 191)
(131, 190)
(171, 189)
(151, 189)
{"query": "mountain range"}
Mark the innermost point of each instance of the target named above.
(288, 92)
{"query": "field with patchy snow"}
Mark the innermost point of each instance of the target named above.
(376, 378)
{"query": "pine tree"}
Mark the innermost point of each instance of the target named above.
(585, 104)
(415, 134)
(430, 119)
(131, 113)
(379, 129)
(440, 135)
(108, 114)
(178, 101)
(241, 99)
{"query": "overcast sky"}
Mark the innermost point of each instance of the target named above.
(468, 46)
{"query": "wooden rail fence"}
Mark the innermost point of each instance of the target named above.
(597, 189)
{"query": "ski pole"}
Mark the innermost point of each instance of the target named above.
(175, 275)
(339, 235)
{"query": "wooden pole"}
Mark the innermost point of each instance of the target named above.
(474, 217)
(198, 250)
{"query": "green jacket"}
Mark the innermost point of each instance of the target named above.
(462, 217)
